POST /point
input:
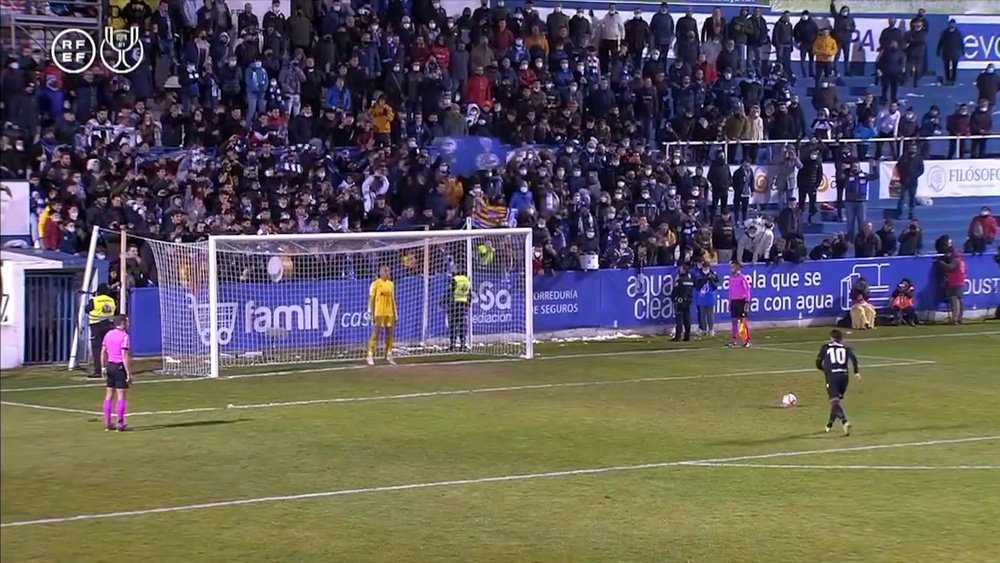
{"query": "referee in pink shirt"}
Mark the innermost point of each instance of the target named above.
(116, 365)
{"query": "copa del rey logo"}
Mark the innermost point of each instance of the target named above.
(74, 50)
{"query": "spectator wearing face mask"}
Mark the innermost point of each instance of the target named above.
(987, 85)
(950, 48)
(810, 177)
(959, 125)
(980, 124)
(982, 232)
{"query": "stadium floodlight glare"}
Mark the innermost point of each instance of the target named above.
(237, 301)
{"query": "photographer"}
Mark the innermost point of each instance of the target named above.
(953, 270)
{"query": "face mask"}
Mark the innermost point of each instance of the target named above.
(672, 192)
(728, 76)
(984, 213)
(524, 189)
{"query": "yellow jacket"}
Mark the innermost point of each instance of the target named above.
(43, 221)
(382, 115)
(825, 48)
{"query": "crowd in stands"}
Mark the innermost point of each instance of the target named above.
(325, 121)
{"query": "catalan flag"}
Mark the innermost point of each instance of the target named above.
(489, 216)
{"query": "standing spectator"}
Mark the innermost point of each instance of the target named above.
(843, 32)
(891, 69)
(980, 124)
(888, 128)
(825, 51)
(916, 51)
(790, 220)
(662, 28)
(637, 37)
(805, 34)
(950, 47)
(706, 287)
(809, 180)
(783, 41)
(256, 81)
(856, 185)
(610, 31)
(744, 181)
(959, 125)
(887, 238)
(910, 168)
(987, 85)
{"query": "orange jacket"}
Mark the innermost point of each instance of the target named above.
(825, 48)
(382, 115)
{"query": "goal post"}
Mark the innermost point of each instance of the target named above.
(238, 301)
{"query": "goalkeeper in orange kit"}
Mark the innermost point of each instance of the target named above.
(382, 311)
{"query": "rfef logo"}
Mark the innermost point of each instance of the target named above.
(74, 50)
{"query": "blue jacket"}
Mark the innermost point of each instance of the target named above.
(256, 80)
(706, 287)
(337, 98)
(521, 200)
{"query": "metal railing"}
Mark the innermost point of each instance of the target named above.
(945, 146)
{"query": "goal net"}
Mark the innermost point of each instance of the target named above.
(291, 299)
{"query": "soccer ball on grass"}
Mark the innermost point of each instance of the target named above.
(789, 400)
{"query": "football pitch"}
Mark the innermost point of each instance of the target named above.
(624, 450)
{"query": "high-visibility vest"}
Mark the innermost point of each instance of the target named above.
(103, 309)
(463, 289)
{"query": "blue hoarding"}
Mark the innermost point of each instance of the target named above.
(260, 316)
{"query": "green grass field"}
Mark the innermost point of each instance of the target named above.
(632, 450)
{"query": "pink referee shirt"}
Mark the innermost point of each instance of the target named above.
(116, 341)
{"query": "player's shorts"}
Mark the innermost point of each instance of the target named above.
(836, 385)
(117, 378)
(385, 321)
(956, 292)
(738, 308)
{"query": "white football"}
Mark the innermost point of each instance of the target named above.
(789, 400)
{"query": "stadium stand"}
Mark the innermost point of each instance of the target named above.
(587, 126)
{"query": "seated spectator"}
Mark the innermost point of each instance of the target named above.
(902, 304)
(982, 232)
(887, 237)
(862, 312)
(911, 240)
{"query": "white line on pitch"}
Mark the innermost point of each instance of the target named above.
(528, 387)
(444, 364)
(861, 356)
(48, 408)
(481, 480)
(859, 467)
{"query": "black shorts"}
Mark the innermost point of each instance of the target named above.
(836, 385)
(956, 292)
(738, 308)
(117, 378)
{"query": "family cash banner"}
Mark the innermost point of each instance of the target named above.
(298, 315)
(946, 178)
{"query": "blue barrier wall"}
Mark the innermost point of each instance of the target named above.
(333, 312)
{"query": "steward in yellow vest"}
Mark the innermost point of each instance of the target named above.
(101, 311)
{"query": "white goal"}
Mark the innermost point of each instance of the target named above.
(241, 301)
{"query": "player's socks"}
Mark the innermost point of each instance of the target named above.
(735, 331)
(107, 413)
(389, 341)
(372, 341)
(122, 406)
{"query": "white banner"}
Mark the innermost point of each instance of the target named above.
(15, 210)
(765, 177)
(946, 178)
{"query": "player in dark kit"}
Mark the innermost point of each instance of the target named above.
(833, 360)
